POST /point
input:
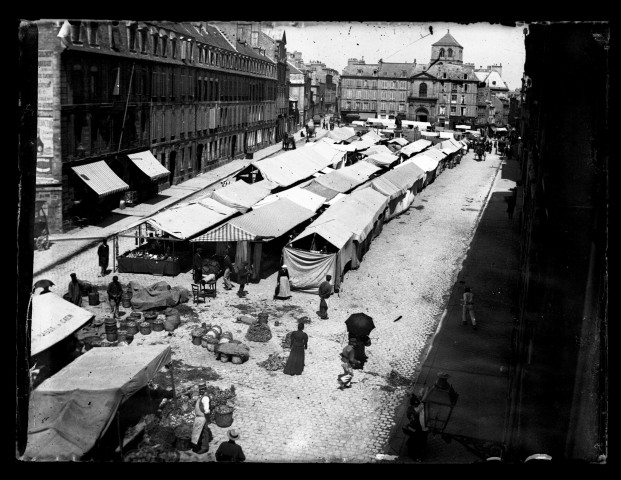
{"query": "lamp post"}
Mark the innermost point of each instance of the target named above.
(438, 401)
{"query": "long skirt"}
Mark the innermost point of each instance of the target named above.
(284, 291)
(323, 308)
(295, 362)
(359, 355)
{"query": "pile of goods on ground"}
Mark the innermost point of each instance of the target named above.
(259, 332)
(236, 352)
(247, 319)
(286, 342)
(274, 362)
(152, 454)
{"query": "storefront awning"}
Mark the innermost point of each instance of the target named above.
(148, 164)
(100, 177)
(225, 233)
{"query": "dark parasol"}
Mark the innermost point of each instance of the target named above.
(359, 324)
(45, 284)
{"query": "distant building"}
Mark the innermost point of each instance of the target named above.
(492, 99)
(443, 91)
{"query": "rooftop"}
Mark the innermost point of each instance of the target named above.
(447, 40)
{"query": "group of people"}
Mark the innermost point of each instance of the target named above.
(244, 272)
(114, 291)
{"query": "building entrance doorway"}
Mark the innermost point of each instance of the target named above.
(422, 115)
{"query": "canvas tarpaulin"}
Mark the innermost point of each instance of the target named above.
(160, 294)
(241, 195)
(377, 149)
(399, 140)
(71, 410)
(303, 197)
(335, 156)
(382, 159)
(341, 134)
(287, 168)
(53, 319)
(321, 190)
(149, 165)
(425, 162)
(100, 177)
(415, 147)
(308, 269)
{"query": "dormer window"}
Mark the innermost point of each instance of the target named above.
(93, 28)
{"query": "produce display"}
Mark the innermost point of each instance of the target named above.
(238, 349)
(217, 396)
(156, 454)
(259, 332)
(274, 362)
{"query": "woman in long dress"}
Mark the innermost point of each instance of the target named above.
(283, 290)
(299, 343)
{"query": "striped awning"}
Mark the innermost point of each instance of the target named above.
(225, 233)
(100, 177)
(149, 165)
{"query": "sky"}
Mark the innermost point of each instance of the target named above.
(334, 42)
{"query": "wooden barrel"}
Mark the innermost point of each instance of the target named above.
(122, 336)
(93, 298)
(112, 337)
(132, 328)
(197, 336)
(157, 325)
(110, 328)
(126, 299)
(145, 328)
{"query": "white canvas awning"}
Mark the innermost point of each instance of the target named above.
(100, 177)
(53, 319)
(149, 165)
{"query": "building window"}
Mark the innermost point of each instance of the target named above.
(348, 105)
(155, 44)
(453, 109)
(357, 105)
(465, 87)
(494, 82)
(173, 48)
(444, 75)
(463, 100)
(131, 38)
(115, 36)
(441, 110)
(143, 40)
(465, 76)
(77, 84)
(164, 45)
(453, 98)
(463, 111)
(358, 92)
(93, 28)
(422, 90)
(450, 52)
(93, 84)
(366, 105)
(401, 107)
(441, 52)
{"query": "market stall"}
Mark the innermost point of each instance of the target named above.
(261, 233)
(163, 248)
(336, 240)
(70, 411)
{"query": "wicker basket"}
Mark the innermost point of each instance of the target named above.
(157, 325)
(224, 357)
(145, 328)
(223, 416)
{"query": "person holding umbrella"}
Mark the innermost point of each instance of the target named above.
(359, 326)
(44, 284)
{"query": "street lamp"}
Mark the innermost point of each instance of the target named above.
(439, 401)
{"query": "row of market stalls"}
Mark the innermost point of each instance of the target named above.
(338, 239)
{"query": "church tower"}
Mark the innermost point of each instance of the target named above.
(448, 49)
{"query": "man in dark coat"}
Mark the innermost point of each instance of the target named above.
(242, 277)
(103, 252)
(228, 268)
(197, 266)
(115, 292)
(229, 451)
(75, 295)
(325, 290)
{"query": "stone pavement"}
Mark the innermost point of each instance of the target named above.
(478, 362)
(67, 245)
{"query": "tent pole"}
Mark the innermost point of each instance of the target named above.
(172, 379)
(118, 430)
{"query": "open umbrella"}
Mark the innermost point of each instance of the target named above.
(359, 324)
(44, 284)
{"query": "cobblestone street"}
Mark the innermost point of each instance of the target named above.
(408, 271)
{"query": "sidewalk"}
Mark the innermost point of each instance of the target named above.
(478, 361)
(66, 245)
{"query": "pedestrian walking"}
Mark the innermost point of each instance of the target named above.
(115, 292)
(226, 277)
(362, 341)
(283, 290)
(74, 292)
(197, 266)
(242, 278)
(201, 434)
(468, 308)
(347, 362)
(229, 451)
(299, 343)
(325, 290)
(103, 252)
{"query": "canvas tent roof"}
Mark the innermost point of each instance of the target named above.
(321, 190)
(448, 146)
(71, 410)
(382, 159)
(345, 179)
(430, 134)
(241, 195)
(303, 197)
(400, 140)
(341, 134)
(424, 162)
(371, 135)
(415, 147)
(383, 186)
(377, 149)
(434, 153)
(53, 319)
(325, 149)
(100, 177)
(269, 221)
(188, 220)
(406, 175)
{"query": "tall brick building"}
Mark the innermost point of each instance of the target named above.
(185, 93)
